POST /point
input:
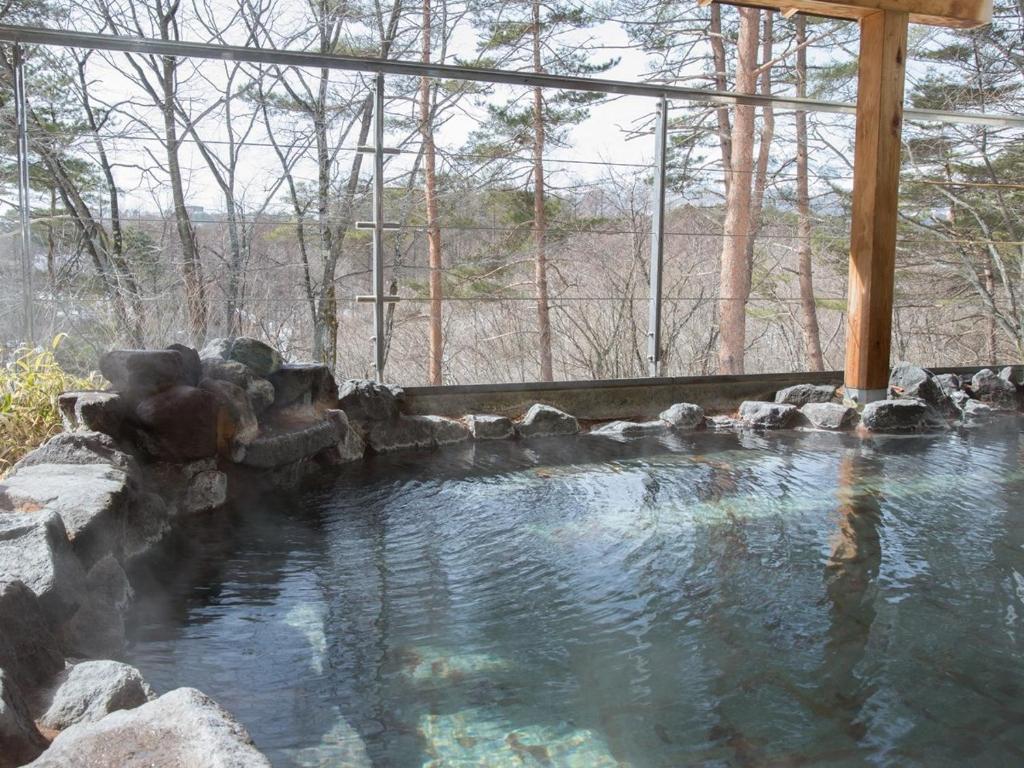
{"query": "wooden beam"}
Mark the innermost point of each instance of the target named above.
(958, 14)
(876, 179)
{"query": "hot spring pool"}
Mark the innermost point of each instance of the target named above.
(713, 599)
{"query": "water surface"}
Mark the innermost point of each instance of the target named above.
(713, 599)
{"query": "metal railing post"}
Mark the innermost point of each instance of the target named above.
(657, 239)
(378, 227)
(24, 203)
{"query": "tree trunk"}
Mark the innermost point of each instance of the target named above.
(436, 344)
(540, 223)
(808, 309)
(721, 84)
(734, 284)
(764, 148)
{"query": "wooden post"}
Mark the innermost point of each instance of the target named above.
(876, 178)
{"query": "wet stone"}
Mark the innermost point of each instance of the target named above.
(547, 421)
(831, 416)
(180, 424)
(365, 401)
(90, 690)
(30, 654)
(801, 394)
(895, 416)
(683, 416)
(631, 429)
(489, 427)
(764, 415)
(993, 390)
(20, 740)
(976, 412)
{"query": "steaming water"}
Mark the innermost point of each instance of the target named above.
(715, 599)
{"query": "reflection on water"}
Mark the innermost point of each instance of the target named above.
(712, 599)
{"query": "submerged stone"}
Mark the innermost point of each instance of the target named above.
(801, 394)
(547, 421)
(91, 690)
(181, 729)
(766, 415)
(630, 429)
(20, 740)
(683, 416)
(831, 416)
(895, 416)
(488, 427)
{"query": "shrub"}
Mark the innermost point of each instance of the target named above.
(29, 386)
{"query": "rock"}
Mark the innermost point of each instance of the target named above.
(92, 412)
(350, 446)
(78, 448)
(764, 415)
(683, 416)
(30, 654)
(181, 729)
(994, 391)
(304, 384)
(240, 427)
(147, 523)
(829, 415)
(91, 690)
(140, 372)
(401, 433)
(801, 394)
(97, 628)
(894, 416)
(206, 491)
(261, 359)
(226, 370)
(191, 364)
(948, 382)
(34, 549)
(365, 401)
(722, 423)
(90, 499)
(180, 423)
(261, 394)
(629, 429)
(445, 431)
(285, 446)
(911, 381)
(487, 427)
(546, 421)
(976, 412)
(1013, 374)
(20, 740)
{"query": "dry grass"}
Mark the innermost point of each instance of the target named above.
(29, 386)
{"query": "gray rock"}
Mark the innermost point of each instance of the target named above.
(91, 690)
(683, 416)
(994, 391)
(365, 401)
(97, 629)
(181, 729)
(304, 384)
(350, 446)
(90, 498)
(400, 433)
(92, 411)
(191, 364)
(78, 448)
(722, 423)
(546, 421)
(260, 358)
(180, 423)
(801, 394)
(913, 382)
(895, 416)
(976, 412)
(20, 740)
(147, 523)
(139, 372)
(948, 382)
(261, 394)
(1013, 374)
(630, 429)
(206, 491)
(226, 370)
(241, 427)
(489, 427)
(764, 415)
(829, 415)
(34, 549)
(288, 445)
(30, 654)
(445, 431)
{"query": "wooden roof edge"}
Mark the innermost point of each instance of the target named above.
(955, 14)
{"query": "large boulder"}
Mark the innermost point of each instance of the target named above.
(226, 370)
(97, 629)
(34, 549)
(238, 425)
(30, 653)
(20, 740)
(367, 401)
(92, 411)
(140, 372)
(260, 358)
(764, 415)
(180, 424)
(547, 421)
(283, 445)
(90, 498)
(683, 416)
(91, 690)
(622, 430)
(205, 492)
(191, 364)
(832, 416)
(147, 522)
(801, 394)
(401, 433)
(304, 384)
(490, 427)
(78, 448)
(181, 729)
(895, 416)
(913, 382)
(994, 390)
(976, 412)
(948, 382)
(1013, 374)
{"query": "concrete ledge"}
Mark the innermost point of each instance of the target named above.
(602, 400)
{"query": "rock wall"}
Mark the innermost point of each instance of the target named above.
(167, 441)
